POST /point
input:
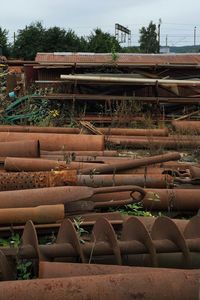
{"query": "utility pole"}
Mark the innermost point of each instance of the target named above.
(195, 32)
(159, 25)
(166, 40)
(14, 38)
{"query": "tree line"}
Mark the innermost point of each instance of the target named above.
(35, 38)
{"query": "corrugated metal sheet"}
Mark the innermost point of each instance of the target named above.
(136, 59)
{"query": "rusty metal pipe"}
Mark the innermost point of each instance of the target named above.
(134, 131)
(195, 172)
(15, 164)
(159, 181)
(18, 128)
(134, 164)
(68, 130)
(160, 199)
(32, 180)
(40, 214)
(188, 126)
(155, 170)
(54, 142)
(94, 159)
(179, 285)
(43, 196)
(106, 153)
(59, 270)
(172, 199)
(28, 148)
(146, 143)
(64, 195)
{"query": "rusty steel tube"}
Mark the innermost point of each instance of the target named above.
(134, 131)
(159, 181)
(195, 172)
(66, 195)
(32, 165)
(59, 270)
(133, 164)
(172, 199)
(14, 164)
(188, 126)
(94, 159)
(43, 196)
(68, 130)
(109, 153)
(31, 180)
(151, 170)
(148, 170)
(40, 214)
(179, 285)
(28, 148)
(161, 199)
(54, 141)
(167, 142)
(18, 128)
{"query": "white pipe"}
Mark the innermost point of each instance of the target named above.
(145, 81)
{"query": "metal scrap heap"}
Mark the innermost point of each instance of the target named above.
(103, 202)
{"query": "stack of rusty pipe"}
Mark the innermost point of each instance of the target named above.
(19, 164)
(58, 141)
(16, 207)
(64, 173)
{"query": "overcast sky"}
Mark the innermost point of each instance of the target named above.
(179, 17)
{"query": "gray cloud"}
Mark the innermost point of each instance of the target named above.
(85, 15)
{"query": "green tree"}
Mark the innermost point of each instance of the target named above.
(54, 40)
(60, 40)
(83, 45)
(102, 42)
(72, 42)
(4, 41)
(29, 41)
(148, 39)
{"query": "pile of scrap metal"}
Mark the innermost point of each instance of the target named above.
(166, 85)
(168, 82)
(71, 193)
(66, 182)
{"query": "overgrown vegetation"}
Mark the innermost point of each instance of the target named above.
(135, 209)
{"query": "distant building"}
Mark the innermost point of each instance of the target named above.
(164, 49)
